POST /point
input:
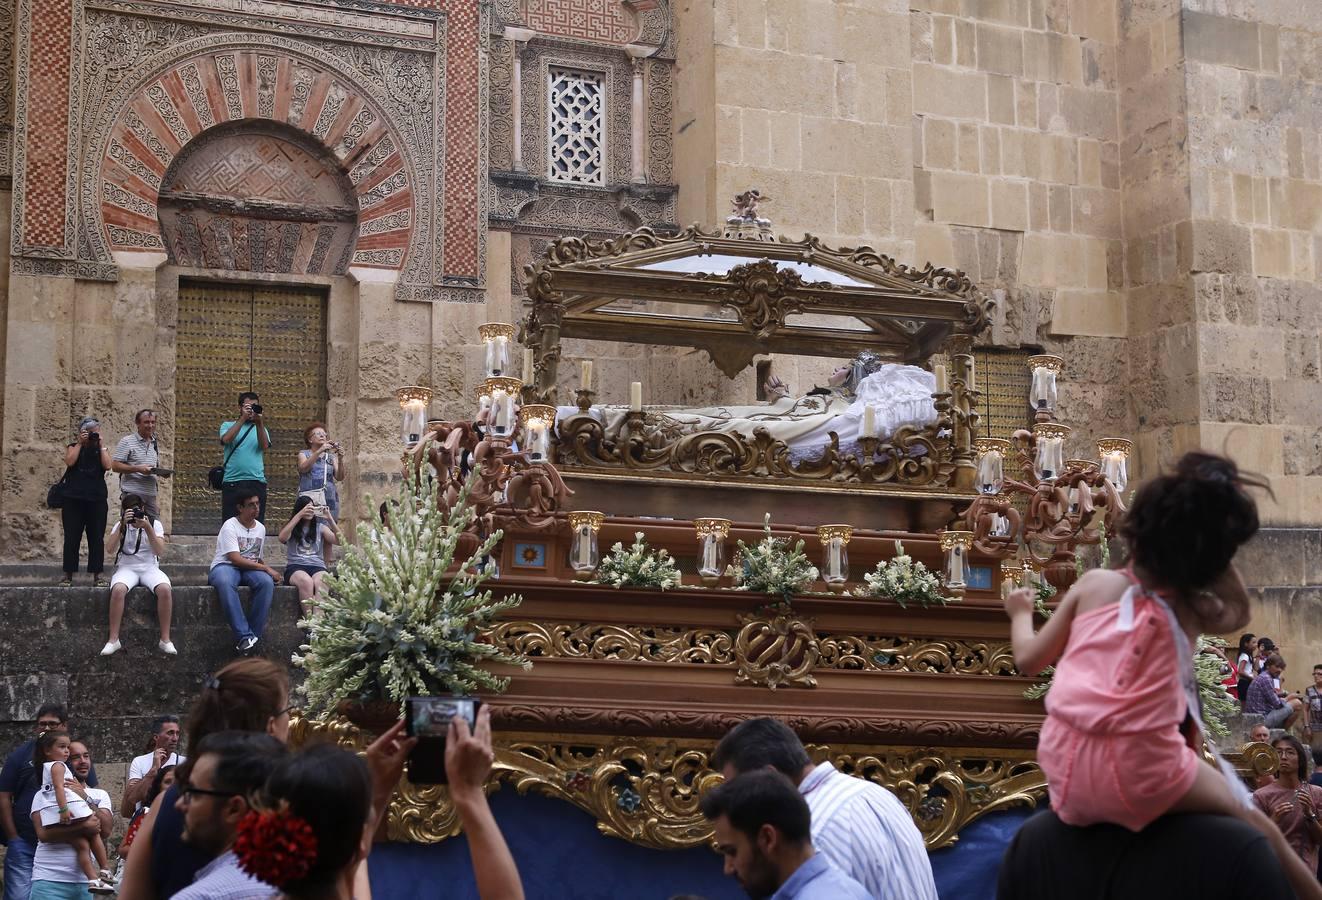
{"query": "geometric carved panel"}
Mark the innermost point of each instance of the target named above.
(589, 20)
(258, 197)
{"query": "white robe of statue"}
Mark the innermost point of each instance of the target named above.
(899, 395)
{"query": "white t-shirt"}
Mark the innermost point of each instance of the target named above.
(135, 538)
(234, 538)
(59, 862)
(141, 765)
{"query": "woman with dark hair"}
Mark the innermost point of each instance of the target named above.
(306, 538)
(246, 695)
(1122, 642)
(1245, 668)
(313, 824)
(1292, 802)
(86, 462)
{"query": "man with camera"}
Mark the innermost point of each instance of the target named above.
(245, 440)
(137, 459)
(138, 540)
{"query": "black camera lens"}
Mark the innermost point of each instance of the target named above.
(256, 409)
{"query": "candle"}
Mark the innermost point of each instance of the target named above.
(940, 372)
(636, 396)
(833, 549)
(587, 375)
(527, 366)
(869, 422)
(709, 549)
(970, 384)
(585, 545)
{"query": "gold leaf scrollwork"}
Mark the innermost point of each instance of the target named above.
(645, 643)
(898, 654)
(780, 651)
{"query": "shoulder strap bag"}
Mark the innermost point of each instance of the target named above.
(216, 474)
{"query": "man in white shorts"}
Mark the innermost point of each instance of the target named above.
(138, 540)
(56, 874)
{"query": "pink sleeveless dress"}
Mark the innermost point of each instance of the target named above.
(1111, 747)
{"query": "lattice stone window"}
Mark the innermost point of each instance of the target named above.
(577, 127)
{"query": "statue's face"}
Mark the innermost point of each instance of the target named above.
(839, 376)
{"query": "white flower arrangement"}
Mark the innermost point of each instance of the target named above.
(771, 566)
(638, 566)
(904, 580)
(394, 621)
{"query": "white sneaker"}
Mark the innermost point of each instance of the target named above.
(111, 648)
(108, 877)
(167, 647)
(246, 644)
(100, 887)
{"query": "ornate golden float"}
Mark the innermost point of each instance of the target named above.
(631, 688)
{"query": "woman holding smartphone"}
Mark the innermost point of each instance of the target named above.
(306, 539)
(320, 465)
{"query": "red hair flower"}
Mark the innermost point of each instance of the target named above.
(275, 847)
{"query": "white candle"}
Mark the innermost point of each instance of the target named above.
(940, 372)
(587, 375)
(636, 396)
(585, 545)
(869, 422)
(709, 553)
(833, 557)
(527, 366)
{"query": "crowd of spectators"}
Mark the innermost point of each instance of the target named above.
(138, 538)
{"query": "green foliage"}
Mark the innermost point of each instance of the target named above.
(393, 623)
(771, 566)
(638, 566)
(905, 581)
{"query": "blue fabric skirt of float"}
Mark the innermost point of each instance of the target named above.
(562, 856)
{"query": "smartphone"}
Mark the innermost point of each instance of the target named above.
(162, 473)
(428, 720)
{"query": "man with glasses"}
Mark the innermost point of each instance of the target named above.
(238, 560)
(230, 766)
(137, 459)
(20, 780)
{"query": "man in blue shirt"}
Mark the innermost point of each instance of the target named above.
(763, 829)
(20, 779)
(244, 441)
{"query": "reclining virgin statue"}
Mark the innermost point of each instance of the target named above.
(898, 395)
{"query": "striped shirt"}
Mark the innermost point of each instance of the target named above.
(864, 830)
(222, 879)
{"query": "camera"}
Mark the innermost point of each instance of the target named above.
(256, 409)
(93, 438)
(428, 719)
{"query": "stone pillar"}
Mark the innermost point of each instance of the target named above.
(638, 114)
(520, 37)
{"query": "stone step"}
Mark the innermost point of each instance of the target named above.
(50, 648)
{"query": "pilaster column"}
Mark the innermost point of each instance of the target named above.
(520, 37)
(638, 113)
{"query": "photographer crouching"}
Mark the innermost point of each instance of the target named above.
(84, 508)
(138, 539)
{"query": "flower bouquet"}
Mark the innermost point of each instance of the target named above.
(772, 566)
(904, 580)
(638, 566)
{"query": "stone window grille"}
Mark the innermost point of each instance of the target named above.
(577, 127)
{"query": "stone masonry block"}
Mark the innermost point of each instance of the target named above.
(1302, 451)
(960, 199)
(1221, 40)
(1296, 204)
(1296, 402)
(1000, 99)
(1238, 350)
(948, 92)
(1096, 313)
(1098, 19)
(1000, 50)
(1090, 113)
(1221, 247)
(1009, 205)
(1271, 253)
(968, 154)
(1235, 398)
(939, 143)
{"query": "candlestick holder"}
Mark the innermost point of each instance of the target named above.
(584, 397)
(867, 449)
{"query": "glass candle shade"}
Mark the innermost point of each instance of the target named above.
(497, 338)
(583, 554)
(835, 555)
(711, 548)
(413, 403)
(1114, 453)
(536, 420)
(1012, 573)
(991, 464)
(956, 546)
(1042, 393)
(1000, 526)
(1049, 459)
(502, 391)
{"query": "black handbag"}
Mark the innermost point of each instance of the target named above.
(216, 474)
(55, 494)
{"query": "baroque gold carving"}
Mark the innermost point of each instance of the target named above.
(646, 790)
(719, 647)
(780, 651)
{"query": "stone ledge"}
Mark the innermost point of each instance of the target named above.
(52, 633)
